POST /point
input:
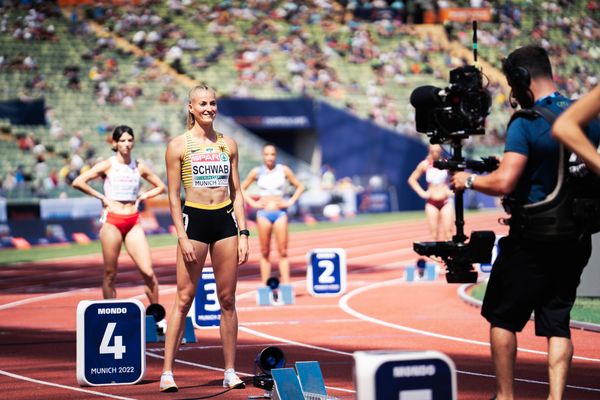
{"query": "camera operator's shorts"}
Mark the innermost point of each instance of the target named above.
(209, 224)
(532, 276)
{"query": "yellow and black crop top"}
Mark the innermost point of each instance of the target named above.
(205, 165)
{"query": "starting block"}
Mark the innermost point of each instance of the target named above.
(423, 271)
(308, 384)
(153, 334)
(274, 293)
(311, 378)
(431, 272)
(156, 325)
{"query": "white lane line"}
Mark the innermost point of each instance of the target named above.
(288, 307)
(343, 302)
(292, 342)
(298, 322)
(210, 367)
(589, 389)
(162, 293)
(193, 364)
(41, 298)
(57, 385)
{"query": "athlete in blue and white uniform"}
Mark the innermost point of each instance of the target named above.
(271, 216)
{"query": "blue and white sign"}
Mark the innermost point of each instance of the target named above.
(326, 272)
(404, 375)
(111, 343)
(206, 308)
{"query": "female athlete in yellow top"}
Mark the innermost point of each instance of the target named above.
(206, 163)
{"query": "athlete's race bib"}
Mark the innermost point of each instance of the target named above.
(210, 169)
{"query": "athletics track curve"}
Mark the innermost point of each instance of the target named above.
(379, 311)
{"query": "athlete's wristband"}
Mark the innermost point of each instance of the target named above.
(245, 232)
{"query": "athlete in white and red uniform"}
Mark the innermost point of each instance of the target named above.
(122, 175)
(438, 208)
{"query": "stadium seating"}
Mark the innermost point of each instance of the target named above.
(369, 67)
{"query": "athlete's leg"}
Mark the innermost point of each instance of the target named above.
(446, 221)
(139, 250)
(111, 239)
(188, 276)
(224, 258)
(432, 214)
(280, 227)
(264, 227)
(504, 352)
(560, 353)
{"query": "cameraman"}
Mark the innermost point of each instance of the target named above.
(568, 128)
(530, 276)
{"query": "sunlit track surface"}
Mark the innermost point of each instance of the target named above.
(379, 311)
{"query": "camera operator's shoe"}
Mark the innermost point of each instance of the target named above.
(232, 381)
(167, 383)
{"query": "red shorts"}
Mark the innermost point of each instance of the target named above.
(439, 204)
(123, 222)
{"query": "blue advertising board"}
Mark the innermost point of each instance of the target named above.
(206, 308)
(404, 375)
(326, 272)
(111, 342)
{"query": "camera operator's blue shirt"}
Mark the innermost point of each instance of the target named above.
(532, 139)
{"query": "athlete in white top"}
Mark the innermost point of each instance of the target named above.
(121, 217)
(438, 207)
(271, 205)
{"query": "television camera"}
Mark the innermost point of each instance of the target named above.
(448, 116)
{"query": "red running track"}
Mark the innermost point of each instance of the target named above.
(379, 311)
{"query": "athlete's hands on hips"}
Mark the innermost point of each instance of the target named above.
(284, 204)
(138, 200)
(187, 250)
(257, 204)
(243, 249)
(107, 204)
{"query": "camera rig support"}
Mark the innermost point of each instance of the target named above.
(447, 116)
(457, 254)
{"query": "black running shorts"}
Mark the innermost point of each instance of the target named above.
(209, 225)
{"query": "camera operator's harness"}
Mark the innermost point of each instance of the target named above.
(570, 210)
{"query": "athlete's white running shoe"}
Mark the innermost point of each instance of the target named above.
(232, 381)
(167, 383)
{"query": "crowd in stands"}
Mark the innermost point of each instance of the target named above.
(367, 62)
